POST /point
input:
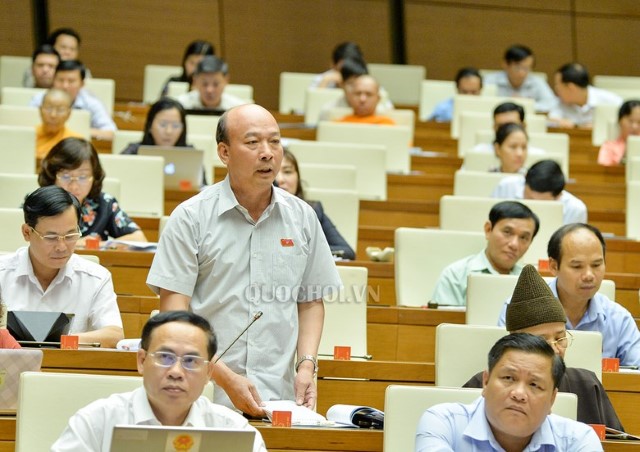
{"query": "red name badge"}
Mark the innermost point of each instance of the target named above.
(342, 352)
(286, 242)
(68, 342)
(281, 419)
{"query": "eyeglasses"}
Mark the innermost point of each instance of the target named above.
(188, 362)
(66, 179)
(170, 125)
(52, 239)
(562, 343)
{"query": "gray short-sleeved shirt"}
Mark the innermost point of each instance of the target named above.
(233, 267)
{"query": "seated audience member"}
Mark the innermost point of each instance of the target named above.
(363, 97)
(47, 276)
(66, 43)
(519, 388)
(612, 152)
(511, 149)
(351, 70)
(503, 114)
(69, 77)
(289, 179)
(193, 54)
(6, 339)
(468, 82)
(166, 125)
(73, 164)
(510, 229)
(44, 61)
(535, 310)
(332, 78)
(209, 79)
(54, 111)
(577, 98)
(582, 249)
(544, 181)
(175, 359)
(516, 79)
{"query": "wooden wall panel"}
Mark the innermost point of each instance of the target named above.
(554, 5)
(120, 37)
(617, 7)
(446, 37)
(16, 32)
(262, 39)
(608, 45)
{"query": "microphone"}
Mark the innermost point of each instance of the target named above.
(256, 316)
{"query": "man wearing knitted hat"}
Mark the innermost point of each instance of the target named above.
(577, 260)
(535, 310)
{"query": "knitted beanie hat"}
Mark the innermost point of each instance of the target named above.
(532, 302)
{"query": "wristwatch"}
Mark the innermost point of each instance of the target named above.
(308, 358)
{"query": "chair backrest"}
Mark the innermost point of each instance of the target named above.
(470, 123)
(293, 88)
(633, 152)
(345, 313)
(141, 182)
(12, 69)
(401, 81)
(616, 81)
(475, 183)
(122, 138)
(19, 96)
(467, 213)
(396, 139)
(14, 188)
(369, 160)
(316, 99)
(404, 405)
(155, 76)
(50, 410)
(483, 104)
(202, 125)
(175, 89)
(632, 169)
(328, 176)
(343, 207)
(10, 115)
(633, 210)
(461, 351)
(18, 149)
(162, 224)
(486, 295)
(244, 92)
(104, 89)
(11, 221)
(402, 117)
(210, 159)
(432, 92)
(603, 114)
(422, 254)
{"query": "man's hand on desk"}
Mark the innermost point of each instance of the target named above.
(241, 391)
(304, 386)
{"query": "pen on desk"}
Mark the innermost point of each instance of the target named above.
(367, 357)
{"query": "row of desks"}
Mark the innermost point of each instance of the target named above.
(352, 382)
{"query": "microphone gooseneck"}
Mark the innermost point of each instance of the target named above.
(256, 316)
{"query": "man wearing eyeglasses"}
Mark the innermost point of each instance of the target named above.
(535, 310)
(47, 276)
(174, 359)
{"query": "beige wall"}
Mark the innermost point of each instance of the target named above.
(261, 38)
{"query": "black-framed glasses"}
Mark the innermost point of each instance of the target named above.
(189, 362)
(52, 239)
(564, 342)
(66, 179)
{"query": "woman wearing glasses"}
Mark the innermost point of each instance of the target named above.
(73, 164)
(165, 126)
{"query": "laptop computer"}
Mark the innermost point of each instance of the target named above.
(180, 164)
(12, 364)
(134, 438)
